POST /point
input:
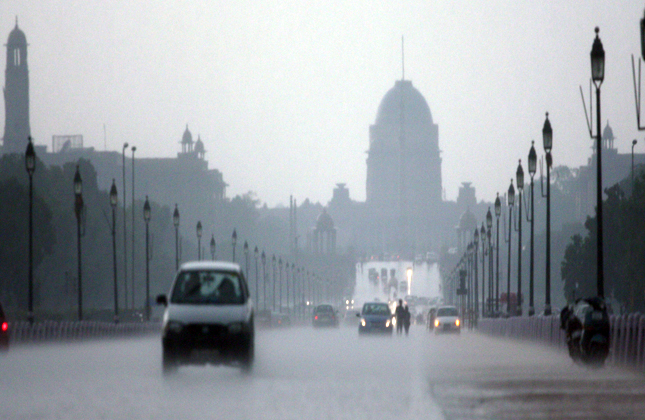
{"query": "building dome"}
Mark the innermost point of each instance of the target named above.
(199, 145)
(187, 138)
(17, 37)
(415, 107)
(608, 133)
(467, 221)
(324, 222)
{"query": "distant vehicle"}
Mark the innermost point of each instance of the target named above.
(208, 317)
(447, 320)
(375, 317)
(432, 314)
(325, 316)
(352, 317)
(279, 320)
(4, 331)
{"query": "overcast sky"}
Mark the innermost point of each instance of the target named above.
(283, 92)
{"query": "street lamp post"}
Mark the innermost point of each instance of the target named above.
(114, 199)
(633, 144)
(597, 76)
(213, 247)
(498, 212)
(199, 240)
(482, 235)
(280, 285)
(475, 261)
(175, 222)
(125, 235)
(519, 177)
(78, 209)
(511, 202)
(246, 258)
(134, 149)
(264, 279)
(547, 136)
(146, 218)
(274, 261)
(531, 219)
(30, 164)
(256, 253)
(286, 277)
(489, 228)
(234, 242)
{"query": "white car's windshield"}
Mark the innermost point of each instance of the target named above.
(447, 312)
(207, 287)
(376, 309)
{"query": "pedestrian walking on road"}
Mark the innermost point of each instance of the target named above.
(406, 319)
(399, 314)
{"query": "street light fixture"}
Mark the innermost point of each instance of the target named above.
(125, 235)
(78, 209)
(498, 212)
(489, 228)
(146, 218)
(30, 164)
(134, 149)
(597, 76)
(547, 137)
(531, 219)
(213, 247)
(234, 242)
(175, 222)
(511, 202)
(519, 176)
(199, 240)
(114, 199)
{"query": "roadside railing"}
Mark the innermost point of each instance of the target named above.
(627, 342)
(51, 331)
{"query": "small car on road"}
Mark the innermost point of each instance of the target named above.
(447, 320)
(325, 316)
(208, 317)
(375, 317)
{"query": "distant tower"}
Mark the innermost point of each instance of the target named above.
(16, 94)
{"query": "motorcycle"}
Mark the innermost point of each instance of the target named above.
(586, 324)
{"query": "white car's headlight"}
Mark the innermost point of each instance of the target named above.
(363, 323)
(387, 323)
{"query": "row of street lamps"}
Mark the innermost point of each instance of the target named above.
(467, 267)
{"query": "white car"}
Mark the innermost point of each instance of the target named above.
(447, 320)
(208, 317)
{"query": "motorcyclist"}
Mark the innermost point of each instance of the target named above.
(406, 319)
(586, 325)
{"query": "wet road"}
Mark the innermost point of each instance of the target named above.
(303, 373)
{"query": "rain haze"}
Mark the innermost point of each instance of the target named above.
(283, 92)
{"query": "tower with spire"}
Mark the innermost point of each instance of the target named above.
(16, 94)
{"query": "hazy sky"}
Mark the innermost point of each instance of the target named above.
(283, 92)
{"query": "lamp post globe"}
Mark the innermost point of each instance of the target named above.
(213, 247)
(532, 160)
(547, 134)
(598, 59)
(519, 177)
(498, 206)
(489, 219)
(175, 222)
(511, 195)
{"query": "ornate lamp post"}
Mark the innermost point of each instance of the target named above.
(633, 144)
(256, 253)
(213, 247)
(246, 257)
(597, 76)
(511, 202)
(286, 278)
(498, 212)
(125, 235)
(199, 240)
(547, 136)
(475, 262)
(78, 209)
(264, 279)
(482, 235)
(146, 218)
(489, 228)
(274, 261)
(30, 164)
(280, 285)
(234, 242)
(114, 199)
(134, 149)
(175, 222)
(531, 219)
(519, 177)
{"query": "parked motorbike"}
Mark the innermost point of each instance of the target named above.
(586, 324)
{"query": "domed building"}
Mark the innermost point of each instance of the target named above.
(404, 170)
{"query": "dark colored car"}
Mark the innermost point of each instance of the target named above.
(325, 316)
(376, 317)
(4, 331)
(208, 317)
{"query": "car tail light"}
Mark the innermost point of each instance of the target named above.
(5, 326)
(316, 317)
